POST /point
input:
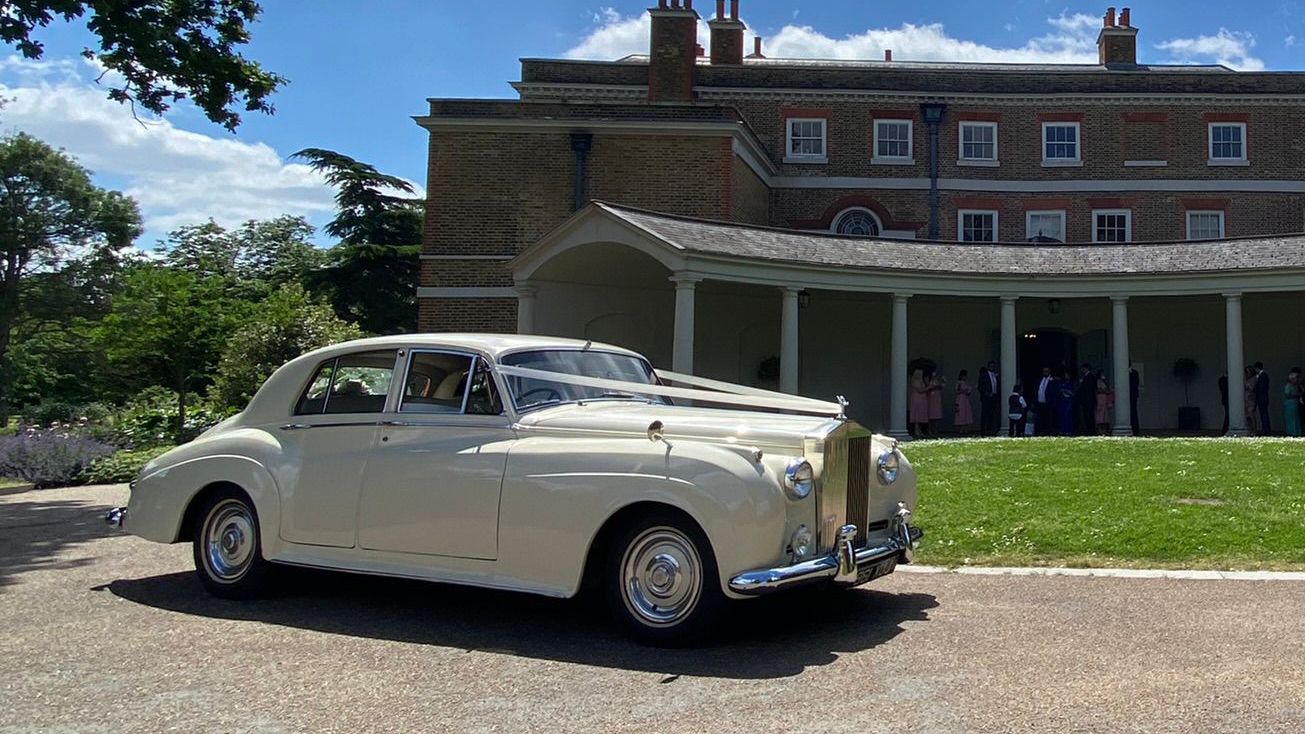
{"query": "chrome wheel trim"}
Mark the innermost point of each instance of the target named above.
(661, 577)
(229, 541)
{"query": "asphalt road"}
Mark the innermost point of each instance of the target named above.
(108, 633)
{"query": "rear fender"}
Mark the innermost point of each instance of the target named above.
(160, 499)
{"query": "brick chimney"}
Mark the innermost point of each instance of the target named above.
(673, 54)
(756, 49)
(1117, 43)
(726, 35)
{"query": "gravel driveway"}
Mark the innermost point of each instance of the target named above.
(109, 633)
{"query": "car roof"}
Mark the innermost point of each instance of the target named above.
(493, 345)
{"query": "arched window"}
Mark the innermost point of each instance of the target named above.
(858, 223)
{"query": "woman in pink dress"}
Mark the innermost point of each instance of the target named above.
(963, 418)
(918, 405)
(935, 383)
(1105, 401)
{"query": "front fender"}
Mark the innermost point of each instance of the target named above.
(159, 498)
(556, 498)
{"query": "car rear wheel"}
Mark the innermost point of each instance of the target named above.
(228, 552)
(662, 582)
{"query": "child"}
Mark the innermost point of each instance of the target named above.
(1018, 410)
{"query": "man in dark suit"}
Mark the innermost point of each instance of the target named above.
(1262, 397)
(989, 400)
(1044, 397)
(1223, 398)
(1085, 402)
(1134, 390)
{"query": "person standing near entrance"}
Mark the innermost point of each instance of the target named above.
(918, 405)
(935, 382)
(1134, 390)
(1044, 401)
(1262, 397)
(1252, 410)
(1291, 395)
(1223, 398)
(1017, 410)
(962, 411)
(989, 399)
(1085, 403)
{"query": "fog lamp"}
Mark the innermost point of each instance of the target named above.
(801, 543)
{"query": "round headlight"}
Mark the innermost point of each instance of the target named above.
(799, 479)
(801, 543)
(888, 466)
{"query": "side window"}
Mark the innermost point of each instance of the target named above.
(361, 383)
(314, 398)
(484, 398)
(436, 383)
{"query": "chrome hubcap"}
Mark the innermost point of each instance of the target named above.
(229, 540)
(661, 576)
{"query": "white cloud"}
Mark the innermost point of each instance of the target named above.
(178, 176)
(1289, 41)
(1230, 48)
(1072, 39)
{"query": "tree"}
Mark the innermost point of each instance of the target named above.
(168, 326)
(49, 211)
(372, 276)
(286, 325)
(163, 50)
(256, 259)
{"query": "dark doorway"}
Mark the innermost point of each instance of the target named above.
(1052, 348)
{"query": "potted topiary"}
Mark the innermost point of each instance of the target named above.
(1189, 416)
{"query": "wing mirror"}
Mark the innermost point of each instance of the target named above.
(657, 432)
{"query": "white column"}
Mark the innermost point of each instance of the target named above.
(789, 350)
(897, 427)
(1008, 358)
(1236, 361)
(526, 308)
(682, 347)
(1123, 413)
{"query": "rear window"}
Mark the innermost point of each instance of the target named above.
(353, 383)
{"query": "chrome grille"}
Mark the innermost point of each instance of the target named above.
(858, 486)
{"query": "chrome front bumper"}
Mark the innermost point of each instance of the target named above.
(116, 517)
(846, 566)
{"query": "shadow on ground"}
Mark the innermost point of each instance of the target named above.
(767, 638)
(33, 534)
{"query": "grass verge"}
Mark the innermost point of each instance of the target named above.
(1236, 504)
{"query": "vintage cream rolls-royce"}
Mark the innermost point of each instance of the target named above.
(534, 464)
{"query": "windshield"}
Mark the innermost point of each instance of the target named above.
(528, 392)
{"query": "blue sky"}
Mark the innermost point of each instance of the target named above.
(358, 73)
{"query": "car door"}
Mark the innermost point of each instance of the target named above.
(326, 445)
(432, 484)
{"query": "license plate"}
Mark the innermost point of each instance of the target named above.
(879, 570)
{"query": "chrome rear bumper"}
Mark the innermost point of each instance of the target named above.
(846, 566)
(116, 517)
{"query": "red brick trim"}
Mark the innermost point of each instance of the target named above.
(1217, 204)
(977, 202)
(1060, 117)
(978, 116)
(1227, 117)
(891, 114)
(1146, 116)
(1048, 204)
(826, 219)
(818, 112)
(1111, 203)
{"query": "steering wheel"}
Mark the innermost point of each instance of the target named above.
(552, 395)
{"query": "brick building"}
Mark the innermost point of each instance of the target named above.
(1050, 162)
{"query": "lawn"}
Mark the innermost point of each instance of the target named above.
(1166, 503)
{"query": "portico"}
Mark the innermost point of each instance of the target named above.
(821, 315)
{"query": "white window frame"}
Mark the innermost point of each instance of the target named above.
(894, 160)
(1028, 222)
(1128, 224)
(961, 158)
(790, 157)
(1077, 160)
(960, 224)
(1222, 221)
(1209, 143)
(879, 224)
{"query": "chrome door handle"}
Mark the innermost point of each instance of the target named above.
(295, 426)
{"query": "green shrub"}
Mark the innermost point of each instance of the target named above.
(150, 419)
(122, 466)
(49, 412)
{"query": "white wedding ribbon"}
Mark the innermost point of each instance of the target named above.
(709, 391)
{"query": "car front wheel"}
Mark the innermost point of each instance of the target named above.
(228, 552)
(662, 582)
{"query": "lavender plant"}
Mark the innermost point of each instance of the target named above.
(49, 457)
